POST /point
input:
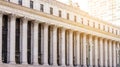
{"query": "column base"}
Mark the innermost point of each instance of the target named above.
(95, 65)
(77, 66)
(118, 65)
(84, 66)
(24, 63)
(70, 66)
(115, 66)
(54, 65)
(12, 62)
(90, 66)
(107, 66)
(46, 65)
(1, 62)
(63, 66)
(35, 63)
(100, 65)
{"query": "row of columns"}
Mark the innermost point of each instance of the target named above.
(104, 51)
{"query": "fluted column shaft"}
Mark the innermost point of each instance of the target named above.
(24, 41)
(12, 38)
(106, 53)
(50, 45)
(84, 50)
(1, 16)
(110, 53)
(35, 46)
(114, 54)
(96, 51)
(45, 44)
(101, 52)
(71, 47)
(91, 47)
(118, 49)
(78, 48)
(54, 45)
(63, 46)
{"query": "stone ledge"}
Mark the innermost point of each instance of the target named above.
(25, 65)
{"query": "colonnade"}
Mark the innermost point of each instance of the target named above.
(40, 43)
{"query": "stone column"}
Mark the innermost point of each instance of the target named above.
(91, 45)
(118, 48)
(45, 43)
(119, 53)
(24, 40)
(110, 53)
(1, 16)
(106, 53)
(84, 50)
(35, 43)
(55, 46)
(101, 52)
(96, 51)
(50, 45)
(63, 46)
(67, 47)
(71, 47)
(78, 48)
(12, 28)
(114, 54)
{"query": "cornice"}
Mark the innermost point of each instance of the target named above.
(38, 13)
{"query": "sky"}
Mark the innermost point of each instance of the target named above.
(82, 3)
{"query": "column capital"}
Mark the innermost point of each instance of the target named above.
(105, 39)
(90, 35)
(101, 38)
(110, 41)
(114, 42)
(63, 29)
(54, 26)
(70, 30)
(118, 42)
(78, 32)
(36, 23)
(95, 37)
(1, 14)
(28, 19)
(84, 34)
(24, 18)
(12, 15)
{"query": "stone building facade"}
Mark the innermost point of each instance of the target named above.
(47, 33)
